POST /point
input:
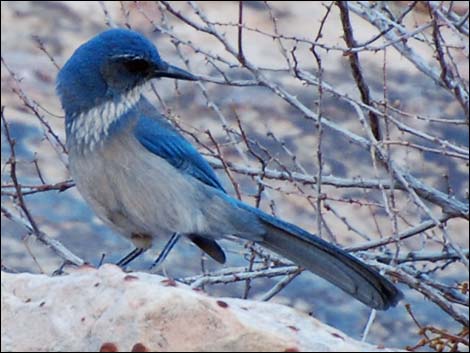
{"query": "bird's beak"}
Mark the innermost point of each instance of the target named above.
(166, 70)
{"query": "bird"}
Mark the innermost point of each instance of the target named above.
(146, 181)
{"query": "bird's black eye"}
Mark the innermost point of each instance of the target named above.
(136, 65)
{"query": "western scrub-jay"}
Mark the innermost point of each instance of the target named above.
(145, 180)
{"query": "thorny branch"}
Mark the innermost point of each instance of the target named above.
(24, 216)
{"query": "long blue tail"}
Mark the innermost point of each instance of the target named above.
(327, 261)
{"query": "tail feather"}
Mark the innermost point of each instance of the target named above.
(329, 262)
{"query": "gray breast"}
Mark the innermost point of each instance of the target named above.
(136, 191)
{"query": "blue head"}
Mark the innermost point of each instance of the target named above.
(109, 66)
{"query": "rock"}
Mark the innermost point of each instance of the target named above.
(108, 310)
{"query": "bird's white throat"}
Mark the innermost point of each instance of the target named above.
(91, 128)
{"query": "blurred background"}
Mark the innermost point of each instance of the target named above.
(255, 112)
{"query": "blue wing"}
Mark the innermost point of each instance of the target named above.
(162, 139)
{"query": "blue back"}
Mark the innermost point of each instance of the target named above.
(162, 139)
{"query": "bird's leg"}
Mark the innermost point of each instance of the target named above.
(129, 257)
(166, 250)
(60, 271)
